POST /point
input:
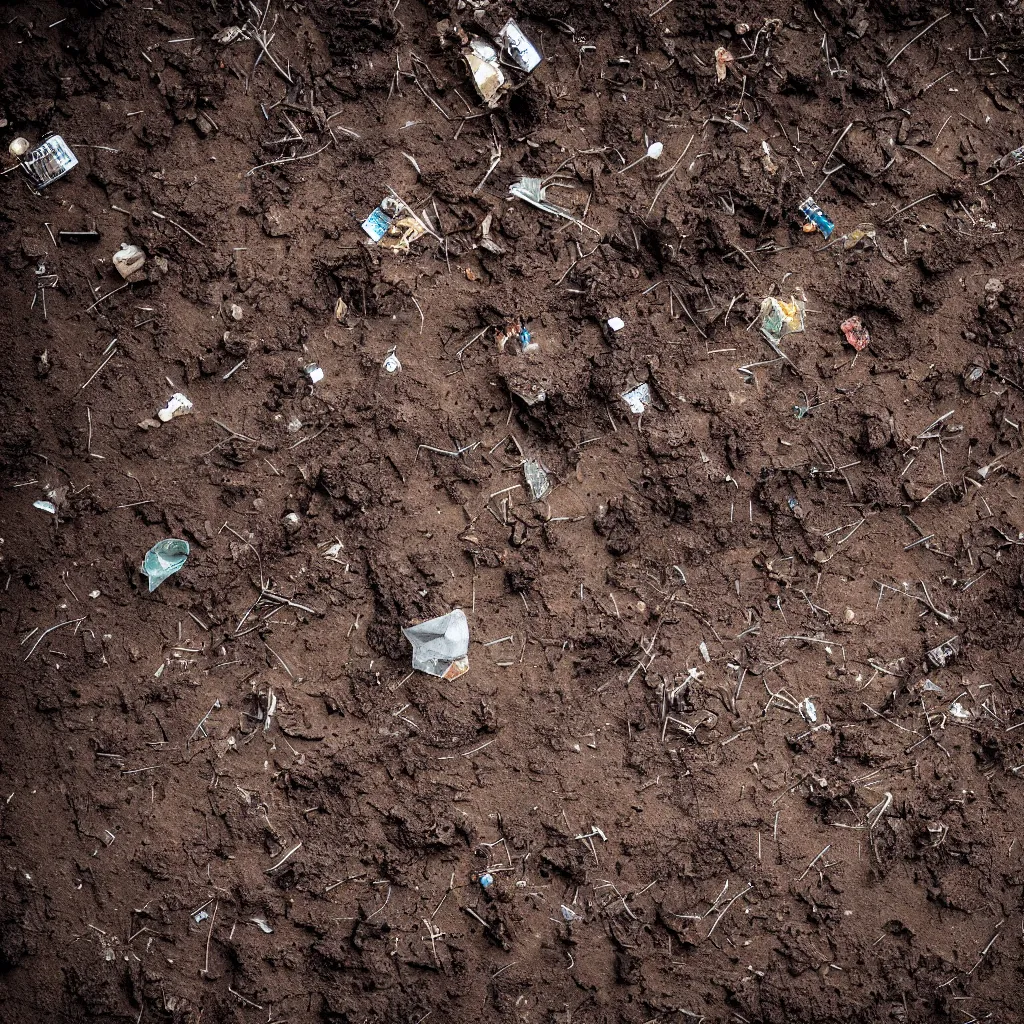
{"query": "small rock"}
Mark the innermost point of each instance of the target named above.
(849, 615)
(235, 312)
(291, 522)
(19, 147)
(340, 309)
(519, 534)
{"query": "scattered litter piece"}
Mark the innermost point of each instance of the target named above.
(261, 923)
(520, 49)
(941, 656)
(531, 191)
(93, 594)
(957, 710)
(391, 363)
(49, 161)
(340, 309)
(515, 329)
(704, 653)
(45, 506)
(314, 373)
(179, 405)
(377, 224)
(291, 522)
(536, 480)
(128, 260)
(486, 880)
(334, 550)
(780, 318)
(812, 211)
(616, 323)
(236, 312)
(568, 914)
(19, 147)
(808, 712)
(228, 35)
(929, 687)
(393, 225)
(163, 560)
(858, 234)
(723, 58)
(856, 333)
(200, 916)
(638, 398)
(1012, 159)
(770, 166)
(485, 68)
(440, 646)
(654, 151)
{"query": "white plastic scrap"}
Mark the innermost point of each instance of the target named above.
(568, 914)
(957, 710)
(261, 923)
(179, 405)
(391, 363)
(45, 506)
(314, 373)
(440, 646)
(616, 323)
(638, 398)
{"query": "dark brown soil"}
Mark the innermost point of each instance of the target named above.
(673, 833)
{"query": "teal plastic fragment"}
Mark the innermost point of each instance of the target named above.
(164, 559)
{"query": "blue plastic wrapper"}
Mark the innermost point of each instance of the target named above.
(812, 211)
(163, 560)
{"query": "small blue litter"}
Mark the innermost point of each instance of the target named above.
(377, 224)
(524, 338)
(812, 211)
(486, 880)
(164, 559)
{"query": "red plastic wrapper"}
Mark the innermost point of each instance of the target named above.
(856, 333)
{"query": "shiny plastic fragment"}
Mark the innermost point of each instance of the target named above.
(780, 318)
(812, 211)
(939, 657)
(49, 161)
(536, 480)
(163, 560)
(440, 646)
(638, 398)
(520, 49)
(531, 191)
(860, 232)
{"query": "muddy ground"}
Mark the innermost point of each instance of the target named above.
(700, 750)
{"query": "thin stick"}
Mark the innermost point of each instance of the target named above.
(198, 241)
(107, 296)
(66, 622)
(213, 920)
(284, 858)
(926, 29)
(285, 160)
(670, 174)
